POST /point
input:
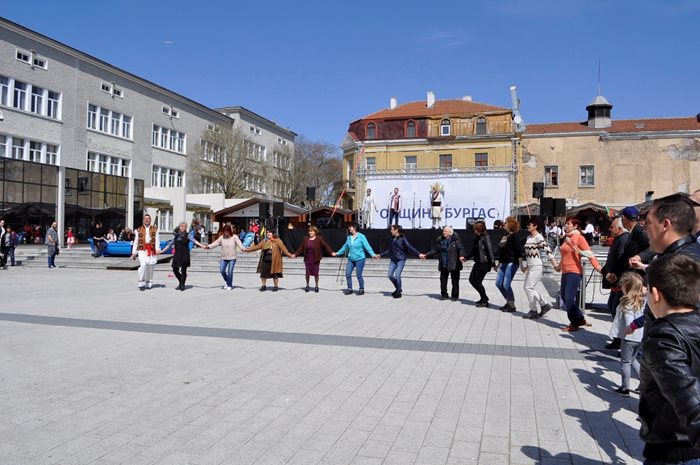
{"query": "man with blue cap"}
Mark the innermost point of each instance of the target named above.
(638, 237)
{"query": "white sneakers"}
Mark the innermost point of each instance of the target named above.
(228, 288)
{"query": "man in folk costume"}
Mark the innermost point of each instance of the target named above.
(369, 207)
(146, 247)
(395, 206)
(436, 201)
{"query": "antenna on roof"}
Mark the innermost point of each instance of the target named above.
(599, 76)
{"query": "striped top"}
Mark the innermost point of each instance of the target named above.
(533, 246)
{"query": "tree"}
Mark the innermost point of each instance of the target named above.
(220, 161)
(316, 164)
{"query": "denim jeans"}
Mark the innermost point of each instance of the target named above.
(226, 270)
(504, 278)
(52, 260)
(629, 351)
(360, 265)
(395, 270)
(570, 284)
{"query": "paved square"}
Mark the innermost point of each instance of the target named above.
(95, 372)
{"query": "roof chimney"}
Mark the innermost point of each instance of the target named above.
(393, 103)
(697, 117)
(467, 98)
(431, 99)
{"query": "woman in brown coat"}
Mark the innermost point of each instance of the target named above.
(270, 264)
(310, 248)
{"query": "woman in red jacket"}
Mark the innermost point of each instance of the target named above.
(310, 248)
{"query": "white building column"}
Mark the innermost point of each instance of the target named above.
(130, 200)
(61, 203)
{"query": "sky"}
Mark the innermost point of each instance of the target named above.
(315, 66)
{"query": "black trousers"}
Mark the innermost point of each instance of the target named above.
(180, 274)
(476, 279)
(454, 275)
(393, 217)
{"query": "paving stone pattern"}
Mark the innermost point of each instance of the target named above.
(92, 371)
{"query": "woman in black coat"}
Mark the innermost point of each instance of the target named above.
(181, 255)
(450, 253)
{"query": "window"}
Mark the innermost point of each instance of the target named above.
(480, 126)
(30, 98)
(108, 164)
(104, 120)
(28, 150)
(92, 117)
(52, 109)
(281, 141)
(169, 139)
(37, 100)
(446, 162)
(481, 161)
(255, 151)
(166, 177)
(411, 163)
(115, 126)
(586, 176)
(411, 129)
(111, 89)
(17, 148)
(35, 151)
(117, 92)
(106, 87)
(371, 164)
(445, 127)
(20, 95)
(255, 130)
(4, 91)
(51, 154)
(551, 176)
(371, 131)
(170, 111)
(39, 62)
(23, 56)
(126, 126)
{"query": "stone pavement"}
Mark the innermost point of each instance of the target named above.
(95, 372)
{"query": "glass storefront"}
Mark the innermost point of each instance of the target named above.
(28, 198)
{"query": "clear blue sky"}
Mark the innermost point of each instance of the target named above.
(315, 66)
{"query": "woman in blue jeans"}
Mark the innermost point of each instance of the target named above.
(399, 248)
(229, 243)
(356, 247)
(510, 258)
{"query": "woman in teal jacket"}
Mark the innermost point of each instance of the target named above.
(356, 247)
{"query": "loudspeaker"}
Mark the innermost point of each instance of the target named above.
(559, 207)
(311, 193)
(547, 206)
(537, 190)
(264, 210)
(278, 209)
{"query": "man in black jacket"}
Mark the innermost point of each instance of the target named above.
(638, 237)
(616, 264)
(669, 407)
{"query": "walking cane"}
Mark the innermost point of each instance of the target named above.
(340, 266)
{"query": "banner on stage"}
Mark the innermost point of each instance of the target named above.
(463, 197)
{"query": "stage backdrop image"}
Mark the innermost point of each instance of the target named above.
(464, 197)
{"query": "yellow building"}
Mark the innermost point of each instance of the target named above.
(611, 163)
(429, 138)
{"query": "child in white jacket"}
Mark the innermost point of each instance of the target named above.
(630, 308)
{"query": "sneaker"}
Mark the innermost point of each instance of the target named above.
(347, 292)
(228, 288)
(623, 392)
(508, 308)
(482, 303)
(361, 292)
(225, 287)
(393, 294)
(142, 288)
(544, 309)
(454, 299)
(531, 315)
(396, 295)
(570, 328)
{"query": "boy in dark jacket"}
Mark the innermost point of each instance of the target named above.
(669, 406)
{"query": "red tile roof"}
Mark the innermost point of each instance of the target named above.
(441, 108)
(628, 125)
